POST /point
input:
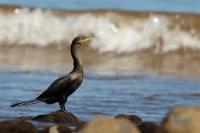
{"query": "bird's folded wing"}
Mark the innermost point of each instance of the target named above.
(57, 87)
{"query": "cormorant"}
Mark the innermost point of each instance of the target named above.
(64, 86)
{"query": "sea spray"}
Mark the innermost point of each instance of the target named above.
(112, 34)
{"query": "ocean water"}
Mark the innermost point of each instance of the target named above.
(137, 63)
(112, 31)
(141, 5)
(148, 96)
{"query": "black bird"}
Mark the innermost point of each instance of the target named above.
(64, 86)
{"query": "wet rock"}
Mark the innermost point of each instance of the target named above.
(24, 118)
(109, 125)
(148, 127)
(182, 120)
(60, 128)
(17, 126)
(133, 118)
(58, 117)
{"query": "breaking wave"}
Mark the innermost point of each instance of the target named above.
(112, 31)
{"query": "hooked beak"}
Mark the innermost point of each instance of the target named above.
(86, 40)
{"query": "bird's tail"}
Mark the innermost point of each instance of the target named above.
(26, 103)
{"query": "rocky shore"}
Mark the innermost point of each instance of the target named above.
(178, 120)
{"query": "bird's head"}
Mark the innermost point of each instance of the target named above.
(81, 40)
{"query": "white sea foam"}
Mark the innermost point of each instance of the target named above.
(42, 28)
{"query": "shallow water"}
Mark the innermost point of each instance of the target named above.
(148, 96)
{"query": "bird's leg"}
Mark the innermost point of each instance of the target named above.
(62, 106)
(62, 102)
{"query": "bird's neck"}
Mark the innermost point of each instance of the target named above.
(78, 66)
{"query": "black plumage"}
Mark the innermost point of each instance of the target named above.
(64, 86)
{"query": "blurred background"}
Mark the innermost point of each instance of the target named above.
(144, 58)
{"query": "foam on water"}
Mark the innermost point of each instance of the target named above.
(39, 27)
